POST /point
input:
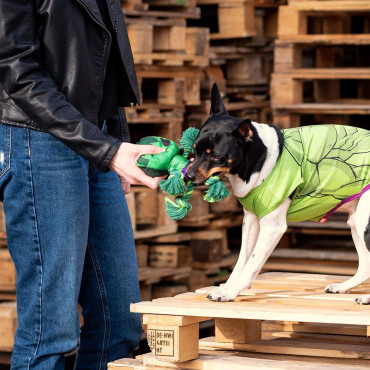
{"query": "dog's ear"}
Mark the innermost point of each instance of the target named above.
(217, 105)
(244, 131)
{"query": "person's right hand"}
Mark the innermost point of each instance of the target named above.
(124, 164)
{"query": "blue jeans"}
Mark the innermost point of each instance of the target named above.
(70, 236)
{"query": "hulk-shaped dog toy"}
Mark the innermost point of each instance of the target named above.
(174, 164)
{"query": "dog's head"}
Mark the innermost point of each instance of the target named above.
(220, 145)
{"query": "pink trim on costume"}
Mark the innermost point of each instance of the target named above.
(352, 197)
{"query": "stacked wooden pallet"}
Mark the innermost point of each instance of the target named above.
(321, 72)
(168, 57)
(284, 321)
(241, 56)
(147, 211)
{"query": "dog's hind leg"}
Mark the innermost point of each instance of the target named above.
(359, 223)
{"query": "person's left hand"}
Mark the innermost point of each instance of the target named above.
(126, 186)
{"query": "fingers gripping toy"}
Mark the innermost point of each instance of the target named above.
(174, 163)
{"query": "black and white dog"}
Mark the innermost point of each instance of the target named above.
(247, 152)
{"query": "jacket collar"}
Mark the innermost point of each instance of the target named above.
(92, 7)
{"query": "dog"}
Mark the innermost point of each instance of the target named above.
(297, 174)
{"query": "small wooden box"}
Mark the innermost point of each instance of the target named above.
(166, 340)
(207, 246)
(169, 256)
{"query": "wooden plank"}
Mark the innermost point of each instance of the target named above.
(334, 5)
(151, 275)
(315, 254)
(296, 347)
(314, 337)
(171, 320)
(189, 13)
(235, 360)
(302, 327)
(242, 361)
(346, 39)
(324, 108)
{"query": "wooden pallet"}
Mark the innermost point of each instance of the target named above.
(167, 42)
(290, 100)
(147, 212)
(245, 66)
(301, 18)
(173, 322)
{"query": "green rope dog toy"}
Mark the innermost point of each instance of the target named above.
(174, 163)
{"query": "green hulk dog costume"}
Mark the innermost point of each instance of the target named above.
(320, 168)
(174, 164)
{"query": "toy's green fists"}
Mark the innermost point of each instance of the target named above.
(158, 164)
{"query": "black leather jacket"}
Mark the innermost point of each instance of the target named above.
(53, 56)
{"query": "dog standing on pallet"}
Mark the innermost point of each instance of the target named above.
(297, 174)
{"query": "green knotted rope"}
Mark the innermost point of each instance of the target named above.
(178, 208)
(174, 184)
(216, 191)
(187, 140)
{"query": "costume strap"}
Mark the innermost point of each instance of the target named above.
(352, 197)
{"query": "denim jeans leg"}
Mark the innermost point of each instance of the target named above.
(46, 205)
(110, 278)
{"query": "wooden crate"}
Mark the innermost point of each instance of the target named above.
(281, 297)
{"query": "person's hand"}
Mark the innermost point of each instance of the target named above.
(124, 164)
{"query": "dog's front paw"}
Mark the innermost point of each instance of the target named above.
(222, 294)
(365, 299)
(337, 288)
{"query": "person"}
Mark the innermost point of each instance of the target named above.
(66, 72)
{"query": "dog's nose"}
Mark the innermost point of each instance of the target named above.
(191, 176)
